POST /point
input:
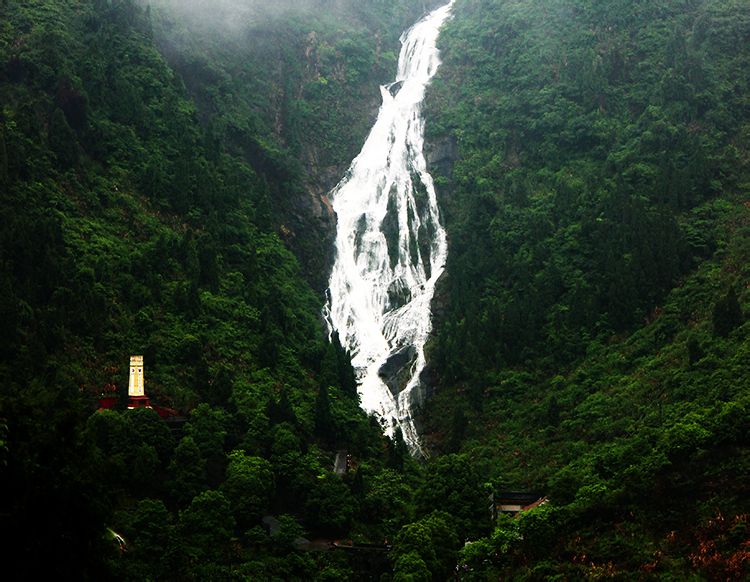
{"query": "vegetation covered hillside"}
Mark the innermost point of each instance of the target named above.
(295, 84)
(137, 222)
(162, 181)
(593, 343)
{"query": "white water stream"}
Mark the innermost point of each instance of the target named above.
(390, 244)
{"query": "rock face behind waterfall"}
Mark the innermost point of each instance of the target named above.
(302, 77)
(441, 153)
(390, 243)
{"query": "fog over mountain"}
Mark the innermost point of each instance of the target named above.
(238, 14)
(229, 14)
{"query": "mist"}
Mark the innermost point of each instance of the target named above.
(236, 15)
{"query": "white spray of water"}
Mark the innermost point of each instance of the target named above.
(390, 244)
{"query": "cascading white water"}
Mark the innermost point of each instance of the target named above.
(390, 244)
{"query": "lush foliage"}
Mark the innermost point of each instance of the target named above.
(590, 137)
(160, 170)
(135, 223)
(593, 342)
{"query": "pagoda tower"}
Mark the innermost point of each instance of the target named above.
(136, 393)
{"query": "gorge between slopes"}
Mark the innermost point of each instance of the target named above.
(390, 245)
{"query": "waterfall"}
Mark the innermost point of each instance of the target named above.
(390, 244)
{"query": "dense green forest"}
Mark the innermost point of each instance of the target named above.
(142, 218)
(162, 183)
(592, 342)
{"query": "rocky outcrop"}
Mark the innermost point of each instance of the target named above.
(441, 153)
(311, 216)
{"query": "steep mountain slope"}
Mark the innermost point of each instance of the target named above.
(134, 223)
(294, 83)
(592, 343)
